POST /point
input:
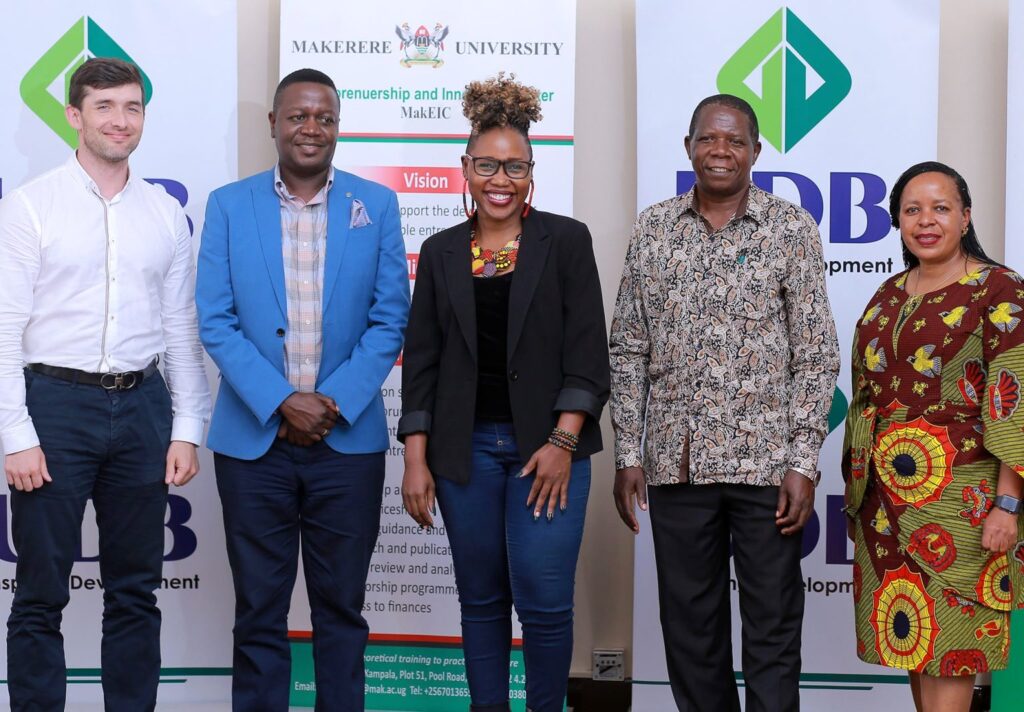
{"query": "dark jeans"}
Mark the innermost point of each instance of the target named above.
(111, 447)
(692, 527)
(328, 505)
(502, 556)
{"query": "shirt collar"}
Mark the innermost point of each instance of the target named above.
(85, 180)
(752, 203)
(282, 190)
(756, 204)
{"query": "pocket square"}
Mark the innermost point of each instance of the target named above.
(359, 218)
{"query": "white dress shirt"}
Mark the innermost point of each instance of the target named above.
(100, 286)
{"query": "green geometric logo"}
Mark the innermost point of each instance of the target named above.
(837, 414)
(783, 48)
(45, 87)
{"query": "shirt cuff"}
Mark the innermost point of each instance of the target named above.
(19, 437)
(628, 458)
(187, 429)
(805, 464)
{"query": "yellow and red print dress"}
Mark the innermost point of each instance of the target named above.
(936, 407)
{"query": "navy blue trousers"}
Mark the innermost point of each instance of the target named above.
(503, 556)
(110, 447)
(327, 505)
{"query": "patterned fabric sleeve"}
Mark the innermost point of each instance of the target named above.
(630, 351)
(813, 344)
(858, 434)
(1004, 360)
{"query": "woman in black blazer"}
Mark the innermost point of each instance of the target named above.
(504, 376)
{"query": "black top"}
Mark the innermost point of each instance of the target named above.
(557, 355)
(491, 295)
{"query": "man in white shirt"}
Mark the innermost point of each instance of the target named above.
(96, 285)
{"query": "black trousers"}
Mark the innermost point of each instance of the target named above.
(692, 527)
(111, 447)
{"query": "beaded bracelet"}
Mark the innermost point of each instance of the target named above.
(570, 436)
(564, 439)
(560, 443)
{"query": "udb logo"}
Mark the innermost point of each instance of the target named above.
(784, 47)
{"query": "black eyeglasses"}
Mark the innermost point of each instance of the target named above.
(486, 167)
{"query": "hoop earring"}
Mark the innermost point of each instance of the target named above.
(529, 199)
(465, 206)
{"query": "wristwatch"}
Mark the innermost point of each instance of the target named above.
(1010, 505)
(814, 477)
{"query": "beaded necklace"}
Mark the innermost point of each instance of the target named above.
(487, 263)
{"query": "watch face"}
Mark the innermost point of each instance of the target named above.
(1008, 503)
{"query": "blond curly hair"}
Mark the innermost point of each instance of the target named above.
(498, 102)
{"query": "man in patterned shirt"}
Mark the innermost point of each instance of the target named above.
(303, 297)
(724, 361)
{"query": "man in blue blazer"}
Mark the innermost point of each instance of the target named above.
(303, 298)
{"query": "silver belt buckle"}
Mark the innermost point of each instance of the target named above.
(118, 381)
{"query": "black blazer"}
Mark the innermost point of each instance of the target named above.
(557, 344)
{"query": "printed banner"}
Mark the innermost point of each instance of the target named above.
(1014, 245)
(1008, 685)
(401, 67)
(837, 128)
(189, 148)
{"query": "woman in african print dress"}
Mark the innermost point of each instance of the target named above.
(934, 451)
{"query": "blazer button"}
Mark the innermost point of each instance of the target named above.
(513, 375)
(280, 332)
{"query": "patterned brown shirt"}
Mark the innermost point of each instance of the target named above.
(723, 348)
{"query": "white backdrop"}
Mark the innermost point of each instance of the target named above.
(1008, 686)
(1014, 238)
(187, 51)
(835, 146)
(402, 125)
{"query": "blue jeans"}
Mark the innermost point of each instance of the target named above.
(111, 447)
(502, 556)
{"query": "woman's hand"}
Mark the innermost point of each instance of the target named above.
(418, 492)
(551, 485)
(999, 531)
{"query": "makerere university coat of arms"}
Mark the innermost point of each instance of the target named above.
(422, 47)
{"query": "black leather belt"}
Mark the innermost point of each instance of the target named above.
(124, 381)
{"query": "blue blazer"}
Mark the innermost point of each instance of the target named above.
(243, 312)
